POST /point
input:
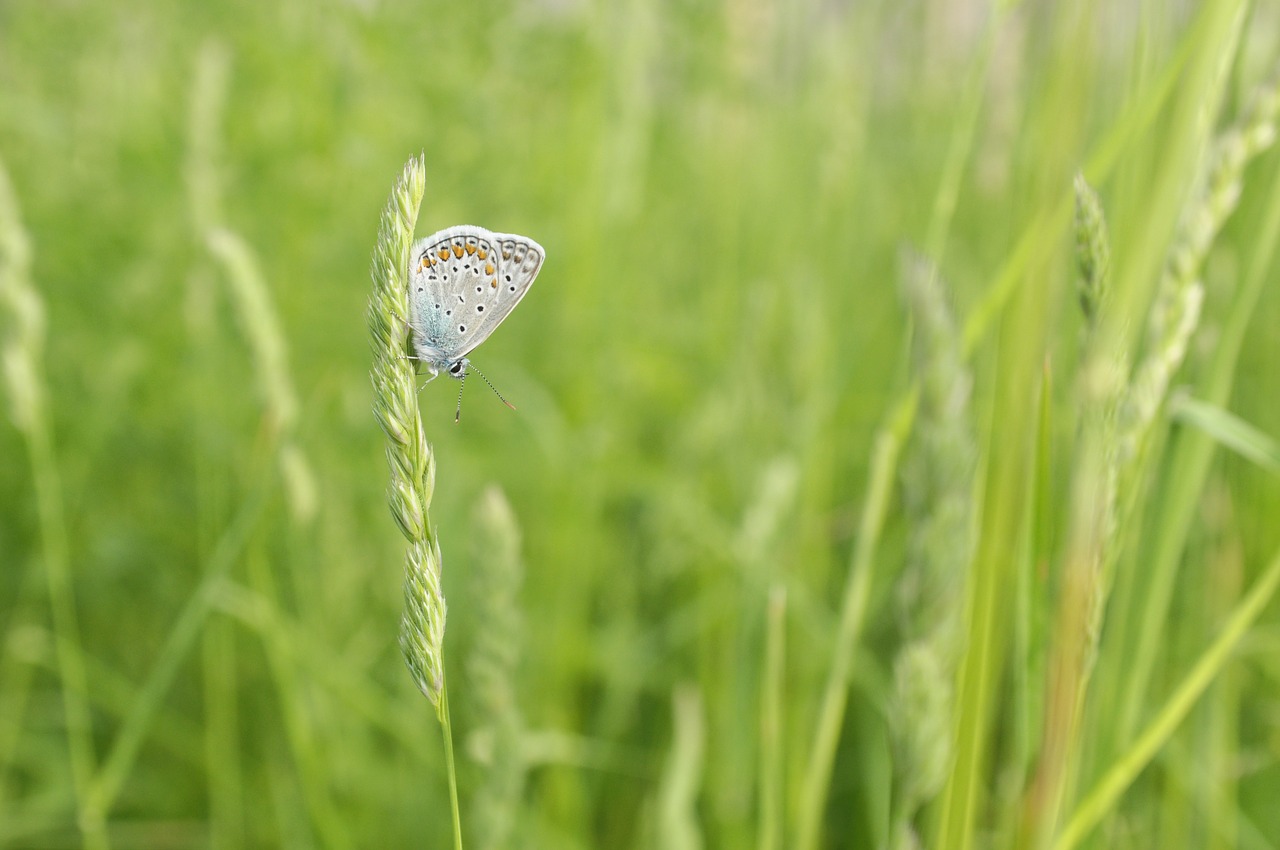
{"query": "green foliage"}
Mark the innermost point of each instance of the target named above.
(744, 531)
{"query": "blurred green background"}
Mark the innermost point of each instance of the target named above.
(725, 193)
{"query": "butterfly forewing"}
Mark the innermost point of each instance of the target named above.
(463, 282)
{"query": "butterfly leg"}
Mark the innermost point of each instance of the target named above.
(434, 375)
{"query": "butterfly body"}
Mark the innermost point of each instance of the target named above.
(463, 281)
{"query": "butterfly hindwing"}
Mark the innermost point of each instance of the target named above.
(518, 261)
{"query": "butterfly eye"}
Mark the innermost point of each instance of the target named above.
(456, 368)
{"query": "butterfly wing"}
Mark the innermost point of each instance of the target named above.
(463, 282)
(517, 263)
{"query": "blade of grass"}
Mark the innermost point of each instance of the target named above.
(1225, 428)
(853, 612)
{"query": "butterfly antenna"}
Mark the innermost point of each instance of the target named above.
(462, 382)
(492, 387)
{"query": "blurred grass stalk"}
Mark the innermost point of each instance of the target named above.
(938, 478)
(246, 283)
(1092, 523)
(678, 826)
(250, 298)
(409, 456)
(1174, 317)
(772, 704)
(23, 351)
(497, 743)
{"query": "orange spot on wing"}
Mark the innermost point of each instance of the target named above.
(444, 253)
(494, 283)
(471, 249)
(482, 253)
(506, 255)
(457, 251)
(488, 268)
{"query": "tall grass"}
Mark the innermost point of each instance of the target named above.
(781, 559)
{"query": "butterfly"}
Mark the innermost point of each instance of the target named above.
(463, 281)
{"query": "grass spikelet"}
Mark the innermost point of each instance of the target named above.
(938, 476)
(412, 464)
(498, 741)
(1093, 249)
(1100, 391)
(248, 288)
(24, 318)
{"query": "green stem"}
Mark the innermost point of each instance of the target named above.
(66, 627)
(446, 730)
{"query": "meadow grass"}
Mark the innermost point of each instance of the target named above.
(790, 543)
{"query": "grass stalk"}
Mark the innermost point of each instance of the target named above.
(409, 456)
(497, 742)
(1077, 627)
(772, 691)
(938, 489)
(246, 283)
(224, 764)
(677, 825)
(249, 294)
(22, 354)
(446, 732)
